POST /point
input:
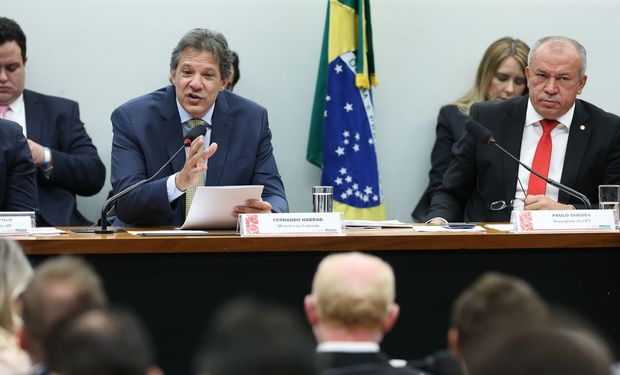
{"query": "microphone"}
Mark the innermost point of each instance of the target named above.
(483, 135)
(194, 133)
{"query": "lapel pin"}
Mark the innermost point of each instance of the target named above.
(582, 127)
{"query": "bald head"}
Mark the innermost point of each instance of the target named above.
(353, 290)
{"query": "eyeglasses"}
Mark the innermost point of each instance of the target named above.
(501, 205)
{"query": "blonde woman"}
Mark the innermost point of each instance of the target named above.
(15, 274)
(500, 76)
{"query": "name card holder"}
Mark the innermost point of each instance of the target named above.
(563, 220)
(290, 223)
(17, 223)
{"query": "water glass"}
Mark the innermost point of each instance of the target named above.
(609, 199)
(322, 198)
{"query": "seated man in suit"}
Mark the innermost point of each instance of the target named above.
(350, 309)
(566, 139)
(148, 130)
(66, 159)
(18, 187)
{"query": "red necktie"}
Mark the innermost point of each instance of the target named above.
(542, 158)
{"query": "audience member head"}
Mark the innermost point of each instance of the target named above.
(501, 73)
(200, 67)
(495, 304)
(61, 286)
(235, 74)
(12, 60)
(100, 341)
(15, 274)
(544, 351)
(556, 74)
(352, 298)
(247, 337)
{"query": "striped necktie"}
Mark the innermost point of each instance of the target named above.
(189, 194)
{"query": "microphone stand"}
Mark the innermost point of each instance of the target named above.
(104, 211)
(189, 138)
(558, 185)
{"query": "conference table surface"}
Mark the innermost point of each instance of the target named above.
(390, 239)
(176, 283)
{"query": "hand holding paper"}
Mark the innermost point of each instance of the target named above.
(253, 206)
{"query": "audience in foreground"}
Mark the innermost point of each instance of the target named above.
(545, 351)
(15, 274)
(350, 308)
(61, 286)
(248, 337)
(100, 341)
(494, 305)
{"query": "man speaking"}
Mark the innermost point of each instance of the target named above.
(562, 138)
(148, 130)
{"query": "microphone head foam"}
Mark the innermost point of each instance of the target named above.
(194, 133)
(479, 132)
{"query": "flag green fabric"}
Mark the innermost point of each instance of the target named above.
(342, 137)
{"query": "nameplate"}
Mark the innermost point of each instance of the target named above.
(16, 223)
(290, 223)
(563, 220)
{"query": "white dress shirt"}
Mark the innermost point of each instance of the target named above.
(17, 112)
(531, 135)
(348, 347)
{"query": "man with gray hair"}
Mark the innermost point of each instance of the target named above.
(148, 131)
(559, 136)
(350, 308)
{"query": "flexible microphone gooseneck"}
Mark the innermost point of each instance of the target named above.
(484, 135)
(194, 133)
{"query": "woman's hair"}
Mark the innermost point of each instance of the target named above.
(15, 274)
(492, 58)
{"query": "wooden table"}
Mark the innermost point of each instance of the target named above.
(174, 283)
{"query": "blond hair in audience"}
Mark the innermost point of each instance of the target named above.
(15, 274)
(353, 290)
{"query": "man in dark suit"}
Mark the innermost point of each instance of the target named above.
(148, 130)
(481, 183)
(350, 308)
(18, 189)
(66, 159)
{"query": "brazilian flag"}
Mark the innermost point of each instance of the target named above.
(342, 134)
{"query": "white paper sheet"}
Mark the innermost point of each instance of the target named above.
(212, 206)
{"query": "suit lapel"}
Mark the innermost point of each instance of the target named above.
(512, 134)
(171, 129)
(34, 118)
(221, 132)
(579, 134)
